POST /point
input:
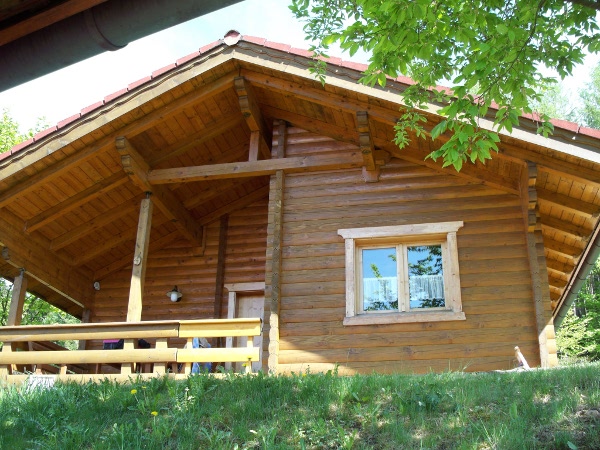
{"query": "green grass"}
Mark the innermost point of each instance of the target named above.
(553, 409)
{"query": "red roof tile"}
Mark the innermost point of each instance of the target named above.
(162, 70)
(231, 38)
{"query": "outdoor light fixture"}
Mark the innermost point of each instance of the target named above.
(174, 294)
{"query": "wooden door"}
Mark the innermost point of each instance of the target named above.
(250, 305)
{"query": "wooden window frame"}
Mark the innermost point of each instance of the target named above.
(443, 233)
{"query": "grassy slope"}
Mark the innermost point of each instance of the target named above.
(540, 409)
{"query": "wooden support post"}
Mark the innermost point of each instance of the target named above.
(249, 345)
(538, 270)
(220, 276)
(136, 290)
(85, 318)
(273, 291)
(15, 312)
(231, 305)
(161, 368)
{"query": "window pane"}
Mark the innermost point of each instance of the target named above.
(426, 276)
(380, 279)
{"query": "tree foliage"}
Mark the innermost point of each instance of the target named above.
(10, 135)
(36, 311)
(579, 334)
(590, 97)
(489, 51)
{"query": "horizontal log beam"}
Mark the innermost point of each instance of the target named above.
(255, 168)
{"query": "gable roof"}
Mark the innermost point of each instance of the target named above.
(76, 199)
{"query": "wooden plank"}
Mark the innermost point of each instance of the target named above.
(89, 331)
(218, 354)
(140, 263)
(255, 168)
(90, 356)
(137, 169)
(82, 197)
(19, 289)
(210, 328)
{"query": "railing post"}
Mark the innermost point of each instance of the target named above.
(249, 344)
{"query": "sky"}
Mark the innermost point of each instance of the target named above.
(64, 93)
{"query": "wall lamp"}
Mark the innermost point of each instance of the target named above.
(174, 294)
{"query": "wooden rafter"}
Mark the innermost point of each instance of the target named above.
(33, 254)
(94, 224)
(198, 138)
(82, 197)
(570, 204)
(254, 118)
(564, 227)
(254, 168)
(137, 168)
(566, 250)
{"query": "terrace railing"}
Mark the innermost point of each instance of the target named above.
(162, 357)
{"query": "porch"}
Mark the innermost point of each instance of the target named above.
(171, 351)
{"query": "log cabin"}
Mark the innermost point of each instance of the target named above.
(232, 184)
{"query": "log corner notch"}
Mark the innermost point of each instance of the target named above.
(259, 132)
(137, 168)
(367, 148)
(538, 269)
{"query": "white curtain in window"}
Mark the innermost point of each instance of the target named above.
(383, 289)
(424, 287)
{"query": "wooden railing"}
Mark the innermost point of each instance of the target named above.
(161, 357)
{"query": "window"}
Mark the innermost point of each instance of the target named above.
(404, 273)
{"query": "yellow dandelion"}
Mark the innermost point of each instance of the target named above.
(154, 413)
(134, 391)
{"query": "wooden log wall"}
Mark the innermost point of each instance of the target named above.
(495, 280)
(194, 273)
